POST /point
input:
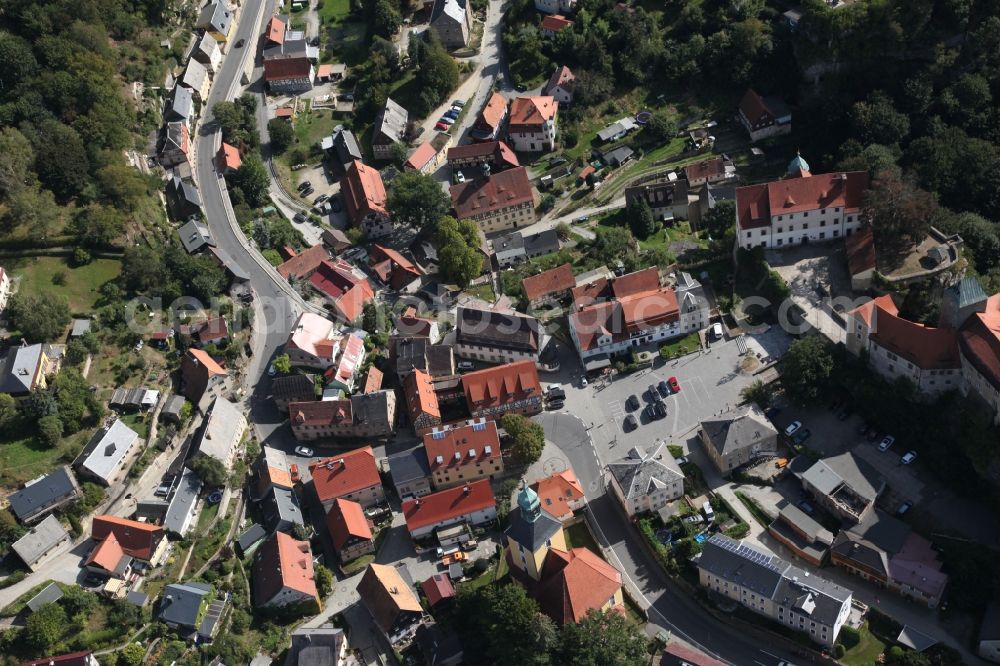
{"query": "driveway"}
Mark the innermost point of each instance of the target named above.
(815, 273)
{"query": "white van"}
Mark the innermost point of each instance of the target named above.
(716, 331)
(706, 508)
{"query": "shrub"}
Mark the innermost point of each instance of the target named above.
(738, 531)
(849, 636)
(838, 651)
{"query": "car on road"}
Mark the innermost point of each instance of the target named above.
(240, 43)
(304, 451)
(675, 387)
(440, 126)
(630, 423)
(660, 408)
(555, 405)
(886, 442)
(793, 428)
(581, 219)
(300, 218)
(801, 436)
(716, 331)
(457, 102)
(304, 185)
(632, 403)
(664, 388)
(683, 460)
(520, 87)
(909, 457)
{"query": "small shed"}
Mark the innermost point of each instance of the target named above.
(50, 594)
(80, 326)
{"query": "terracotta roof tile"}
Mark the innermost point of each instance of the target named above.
(487, 195)
(276, 30)
(752, 105)
(421, 156)
(344, 474)
(448, 447)
(107, 553)
(555, 22)
(136, 539)
(860, 251)
(448, 504)
(386, 595)
(494, 111)
(283, 68)
(304, 263)
(575, 582)
(705, 169)
(498, 150)
(437, 588)
(363, 191)
(562, 77)
(229, 157)
(979, 338)
(927, 348)
(502, 384)
(420, 395)
(346, 520)
(756, 204)
(556, 491)
(533, 111)
(283, 562)
(549, 282)
(348, 292)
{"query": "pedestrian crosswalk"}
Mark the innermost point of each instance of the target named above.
(741, 344)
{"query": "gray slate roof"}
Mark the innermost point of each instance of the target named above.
(391, 123)
(20, 367)
(39, 540)
(529, 534)
(182, 503)
(80, 326)
(107, 448)
(796, 517)
(639, 473)
(293, 388)
(181, 106)
(828, 474)
(969, 291)
(453, 9)
(408, 466)
(252, 536)
(508, 242)
(216, 16)
(619, 155)
(739, 429)
(195, 236)
(173, 405)
(315, 646)
(50, 594)
(181, 602)
(489, 328)
(542, 242)
(46, 491)
(195, 76)
(220, 429)
(773, 578)
(280, 508)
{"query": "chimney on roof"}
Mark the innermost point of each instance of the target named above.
(466, 490)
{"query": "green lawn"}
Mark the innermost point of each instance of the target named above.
(80, 286)
(866, 652)
(312, 126)
(138, 422)
(208, 514)
(689, 343)
(334, 12)
(483, 291)
(23, 459)
(578, 536)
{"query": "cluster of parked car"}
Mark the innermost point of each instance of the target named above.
(656, 408)
(555, 397)
(445, 122)
(305, 188)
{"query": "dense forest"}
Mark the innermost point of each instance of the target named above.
(66, 68)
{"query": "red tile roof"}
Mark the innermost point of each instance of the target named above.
(927, 348)
(549, 282)
(212, 329)
(555, 22)
(493, 112)
(107, 553)
(705, 169)
(409, 323)
(283, 112)
(484, 196)
(756, 204)
(424, 153)
(344, 474)
(373, 380)
(532, 111)
(979, 338)
(387, 596)
(865, 310)
(498, 150)
(449, 447)
(210, 365)
(448, 504)
(500, 385)
(860, 251)
(229, 157)
(562, 77)
(556, 491)
(647, 279)
(363, 190)
(136, 539)
(575, 582)
(283, 561)
(284, 68)
(304, 263)
(71, 659)
(437, 588)
(392, 267)
(420, 395)
(321, 412)
(346, 520)
(276, 30)
(753, 107)
(625, 316)
(348, 292)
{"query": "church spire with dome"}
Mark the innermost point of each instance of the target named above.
(798, 167)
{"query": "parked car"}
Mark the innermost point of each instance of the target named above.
(683, 460)
(556, 396)
(664, 388)
(716, 331)
(630, 423)
(451, 113)
(300, 218)
(466, 365)
(520, 87)
(650, 411)
(793, 428)
(652, 392)
(446, 120)
(555, 405)
(632, 403)
(772, 412)
(271, 370)
(674, 386)
(240, 43)
(660, 408)
(459, 177)
(321, 198)
(807, 507)
(903, 508)
(304, 451)
(886, 442)
(801, 436)
(308, 192)
(457, 102)
(583, 381)
(304, 185)
(470, 545)
(346, 97)
(441, 127)
(909, 457)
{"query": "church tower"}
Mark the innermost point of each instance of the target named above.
(531, 534)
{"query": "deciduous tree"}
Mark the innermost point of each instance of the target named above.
(211, 471)
(417, 199)
(806, 368)
(282, 135)
(527, 438)
(459, 257)
(901, 212)
(39, 319)
(603, 638)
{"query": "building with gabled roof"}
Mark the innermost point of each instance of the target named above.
(391, 127)
(554, 23)
(202, 378)
(511, 388)
(392, 603)
(24, 368)
(196, 79)
(530, 533)
(271, 471)
(106, 457)
(560, 495)
(575, 582)
(341, 374)
(458, 453)
(438, 589)
(393, 269)
(216, 19)
(41, 543)
(646, 481)
(180, 511)
(84, 658)
(180, 107)
(532, 126)
(176, 145)
(228, 159)
(764, 117)
(352, 475)
(738, 437)
(288, 72)
(979, 347)
(365, 200)
(497, 337)
(844, 484)
(361, 415)
(469, 504)
(502, 201)
(495, 154)
(802, 535)
(452, 21)
(280, 510)
(410, 473)
(421, 400)
(712, 170)
(274, 32)
(549, 286)
(303, 264)
(292, 388)
(769, 586)
(313, 342)
(283, 573)
(347, 293)
(136, 539)
(183, 603)
(208, 53)
(222, 432)
(350, 530)
(491, 119)
(561, 85)
(796, 210)
(668, 199)
(44, 494)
